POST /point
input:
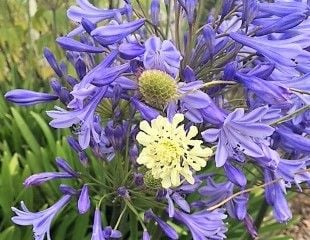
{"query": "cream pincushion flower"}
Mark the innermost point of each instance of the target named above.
(169, 151)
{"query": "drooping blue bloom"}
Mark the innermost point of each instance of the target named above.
(282, 8)
(110, 233)
(237, 207)
(130, 50)
(240, 133)
(165, 227)
(280, 24)
(293, 141)
(204, 224)
(42, 220)
(271, 91)
(97, 233)
(76, 46)
(293, 172)
(216, 192)
(26, 97)
(173, 197)
(279, 53)
(162, 56)
(84, 200)
(275, 196)
(234, 174)
(111, 34)
(84, 117)
(147, 113)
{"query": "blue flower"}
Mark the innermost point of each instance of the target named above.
(26, 97)
(240, 133)
(275, 196)
(42, 220)
(84, 200)
(293, 141)
(84, 117)
(93, 14)
(293, 172)
(52, 62)
(204, 224)
(111, 34)
(39, 178)
(162, 56)
(97, 233)
(165, 227)
(76, 46)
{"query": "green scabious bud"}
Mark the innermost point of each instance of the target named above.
(157, 88)
(150, 181)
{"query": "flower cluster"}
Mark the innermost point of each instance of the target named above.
(239, 81)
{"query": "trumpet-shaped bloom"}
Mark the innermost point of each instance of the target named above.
(166, 228)
(84, 117)
(42, 220)
(97, 227)
(275, 196)
(239, 134)
(169, 151)
(204, 224)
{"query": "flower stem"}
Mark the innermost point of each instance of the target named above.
(290, 116)
(132, 208)
(120, 217)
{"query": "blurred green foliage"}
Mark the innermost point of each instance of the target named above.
(27, 144)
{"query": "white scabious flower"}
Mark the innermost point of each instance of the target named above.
(170, 152)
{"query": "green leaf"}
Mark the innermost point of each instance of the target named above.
(26, 132)
(46, 130)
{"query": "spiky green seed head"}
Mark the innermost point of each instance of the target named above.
(150, 181)
(157, 88)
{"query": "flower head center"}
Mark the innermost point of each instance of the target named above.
(168, 151)
(157, 88)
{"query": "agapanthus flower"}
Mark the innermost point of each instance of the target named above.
(42, 220)
(26, 97)
(204, 224)
(170, 152)
(239, 134)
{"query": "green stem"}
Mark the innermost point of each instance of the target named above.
(132, 208)
(120, 217)
(168, 10)
(290, 116)
(177, 24)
